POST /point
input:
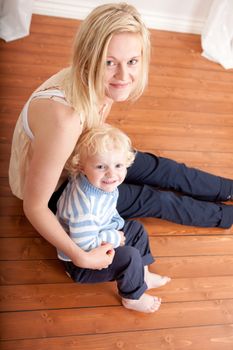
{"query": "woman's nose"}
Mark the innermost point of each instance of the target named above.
(122, 72)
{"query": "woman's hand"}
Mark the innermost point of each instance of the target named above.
(97, 258)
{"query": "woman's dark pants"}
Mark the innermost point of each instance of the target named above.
(162, 188)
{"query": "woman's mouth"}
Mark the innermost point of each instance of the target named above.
(119, 85)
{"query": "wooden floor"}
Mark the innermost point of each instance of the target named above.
(186, 114)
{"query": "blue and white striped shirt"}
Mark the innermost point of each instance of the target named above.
(88, 214)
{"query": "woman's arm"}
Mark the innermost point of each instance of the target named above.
(56, 128)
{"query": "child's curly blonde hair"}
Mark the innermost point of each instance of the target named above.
(99, 140)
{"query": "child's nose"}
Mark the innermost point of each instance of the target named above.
(109, 173)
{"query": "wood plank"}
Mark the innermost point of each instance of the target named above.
(34, 271)
(221, 132)
(52, 323)
(26, 249)
(72, 295)
(135, 115)
(183, 105)
(24, 71)
(196, 94)
(185, 83)
(195, 266)
(192, 245)
(201, 144)
(214, 73)
(11, 206)
(16, 226)
(180, 58)
(166, 228)
(192, 338)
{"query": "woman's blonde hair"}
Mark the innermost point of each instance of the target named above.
(84, 83)
(99, 140)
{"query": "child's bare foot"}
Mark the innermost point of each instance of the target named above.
(153, 280)
(146, 303)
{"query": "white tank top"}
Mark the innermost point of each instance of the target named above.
(22, 142)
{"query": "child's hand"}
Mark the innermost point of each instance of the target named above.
(108, 252)
(122, 242)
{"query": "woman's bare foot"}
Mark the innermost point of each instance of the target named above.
(153, 280)
(146, 303)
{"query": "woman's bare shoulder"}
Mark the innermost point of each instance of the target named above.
(47, 113)
(56, 129)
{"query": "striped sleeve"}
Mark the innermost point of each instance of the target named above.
(85, 232)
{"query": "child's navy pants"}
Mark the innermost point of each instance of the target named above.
(127, 268)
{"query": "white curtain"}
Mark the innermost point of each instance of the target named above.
(15, 18)
(217, 35)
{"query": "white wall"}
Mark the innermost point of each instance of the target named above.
(174, 15)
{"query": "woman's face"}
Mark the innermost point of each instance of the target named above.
(123, 65)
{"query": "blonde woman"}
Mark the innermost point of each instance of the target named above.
(110, 64)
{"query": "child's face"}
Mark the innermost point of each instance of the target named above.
(106, 171)
(123, 65)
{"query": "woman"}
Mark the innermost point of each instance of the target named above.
(110, 64)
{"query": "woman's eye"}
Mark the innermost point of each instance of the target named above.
(133, 61)
(109, 63)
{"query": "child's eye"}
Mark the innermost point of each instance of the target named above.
(119, 165)
(100, 166)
